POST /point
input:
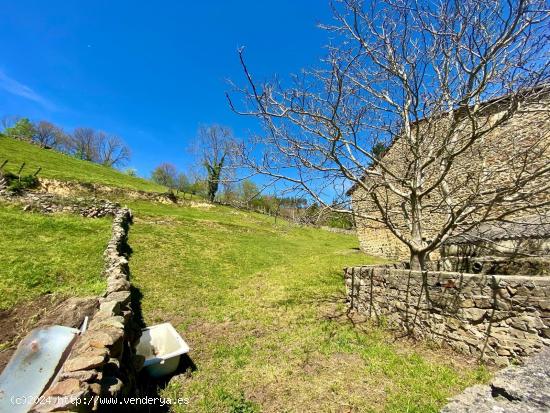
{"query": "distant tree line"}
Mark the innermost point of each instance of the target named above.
(83, 143)
(167, 174)
(214, 151)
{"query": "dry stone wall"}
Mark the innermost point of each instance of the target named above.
(102, 362)
(51, 203)
(495, 318)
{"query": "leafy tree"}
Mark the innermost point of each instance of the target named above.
(248, 190)
(378, 150)
(214, 145)
(23, 130)
(199, 187)
(130, 171)
(182, 183)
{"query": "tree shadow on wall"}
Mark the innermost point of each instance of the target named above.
(437, 308)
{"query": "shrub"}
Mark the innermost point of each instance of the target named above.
(17, 185)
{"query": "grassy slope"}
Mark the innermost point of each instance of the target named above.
(262, 308)
(64, 167)
(260, 304)
(40, 253)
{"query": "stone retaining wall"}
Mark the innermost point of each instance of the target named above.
(50, 203)
(495, 318)
(72, 188)
(103, 362)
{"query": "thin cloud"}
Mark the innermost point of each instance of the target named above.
(16, 88)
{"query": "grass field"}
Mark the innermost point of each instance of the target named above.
(49, 253)
(260, 303)
(66, 168)
(262, 308)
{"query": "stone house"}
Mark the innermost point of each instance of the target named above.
(533, 117)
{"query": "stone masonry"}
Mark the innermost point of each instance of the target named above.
(493, 152)
(50, 203)
(495, 318)
(102, 362)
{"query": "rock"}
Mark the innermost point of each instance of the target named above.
(83, 375)
(95, 388)
(474, 314)
(96, 339)
(114, 321)
(112, 385)
(64, 387)
(86, 361)
(517, 389)
(110, 307)
(72, 403)
(118, 285)
(67, 395)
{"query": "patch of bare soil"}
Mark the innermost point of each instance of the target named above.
(48, 309)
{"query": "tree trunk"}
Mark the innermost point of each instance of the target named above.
(418, 261)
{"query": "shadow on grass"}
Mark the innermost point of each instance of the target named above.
(147, 386)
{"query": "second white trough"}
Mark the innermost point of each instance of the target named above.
(162, 347)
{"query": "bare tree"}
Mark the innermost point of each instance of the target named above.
(9, 121)
(111, 150)
(99, 147)
(456, 89)
(46, 134)
(214, 145)
(166, 174)
(84, 144)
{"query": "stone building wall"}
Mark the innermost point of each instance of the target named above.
(495, 318)
(375, 239)
(531, 122)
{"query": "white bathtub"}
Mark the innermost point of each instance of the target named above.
(162, 346)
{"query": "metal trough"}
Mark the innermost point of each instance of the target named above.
(33, 366)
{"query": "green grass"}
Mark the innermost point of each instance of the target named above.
(262, 308)
(66, 168)
(49, 253)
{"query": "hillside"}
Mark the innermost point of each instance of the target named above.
(260, 302)
(66, 168)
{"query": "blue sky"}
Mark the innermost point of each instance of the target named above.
(150, 72)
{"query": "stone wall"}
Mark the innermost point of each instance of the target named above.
(485, 163)
(102, 362)
(495, 318)
(72, 188)
(376, 240)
